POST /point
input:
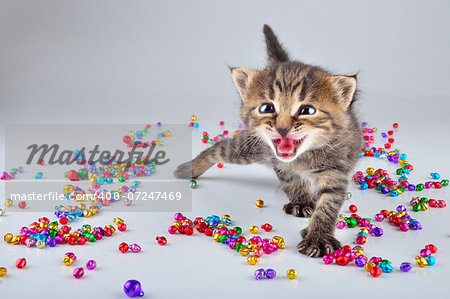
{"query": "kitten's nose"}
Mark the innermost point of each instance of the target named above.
(283, 131)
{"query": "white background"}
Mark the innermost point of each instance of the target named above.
(148, 61)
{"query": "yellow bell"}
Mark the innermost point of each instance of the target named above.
(370, 171)
(67, 260)
(226, 217)
(252, 260)
(217, 237)
(3, 271)
(117, 221)
(277, 239)
(244, 251)
(281, 245)
(8, 237)
(254, 229)
(259, 203)
(291, 274)
(68, 189)
(8, 203)
(15, 240)
(369, 266)
(358, 251)
(421, 262)
(113, 229)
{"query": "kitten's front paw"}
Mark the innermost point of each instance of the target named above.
(318, 245)
(298, 209)
(184, 171)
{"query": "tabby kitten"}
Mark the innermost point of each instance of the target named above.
(301, 122)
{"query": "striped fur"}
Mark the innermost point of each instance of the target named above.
(315, 179)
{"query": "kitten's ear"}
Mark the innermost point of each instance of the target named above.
(242, 79)
(275, 51)
(345, 87)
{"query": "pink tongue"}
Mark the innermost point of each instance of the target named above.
(286, 145)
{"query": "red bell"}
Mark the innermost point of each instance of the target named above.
(361, 240)
(161, 241)
(81, 240)
(375, 271)
(71, 239)
(267, 227)
(346, 249)
(342, 260)
(208, 231)
(123, 247)
(21, 263)
(122, 227)
(107, 231)
(432, 248)
(188, 231)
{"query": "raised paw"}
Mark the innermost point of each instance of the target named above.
(184, 171)
(318, 245)
(298, 209)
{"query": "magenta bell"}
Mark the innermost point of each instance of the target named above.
(132, 288)
(135, 248)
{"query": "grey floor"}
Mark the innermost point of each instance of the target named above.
(76, 62)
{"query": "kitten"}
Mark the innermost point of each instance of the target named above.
(301, 122)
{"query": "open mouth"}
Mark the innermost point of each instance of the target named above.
(286, 148)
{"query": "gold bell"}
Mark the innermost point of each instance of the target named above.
(244, 251)
(117, 221)
(421, 262)
(252, 260)
(217, 237)
(226, 217)
(281, 245)
(8, 203)
(259, 203)
(369, 266)
(8, 237)
(67, 260)
(254, 229)
(15, 240)
(291, 274)
(3, 271)
(277, 239)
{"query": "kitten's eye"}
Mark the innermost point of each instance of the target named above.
(307, 110)
(267, 108)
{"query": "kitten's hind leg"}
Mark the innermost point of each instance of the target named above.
(244, 148)
(301, 199)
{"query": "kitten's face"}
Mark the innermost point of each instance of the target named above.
(294, 107)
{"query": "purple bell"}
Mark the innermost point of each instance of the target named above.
(405, 267)
(259, 274)
(378, 232)
(270, 273)
(360, 262)
(132, 288)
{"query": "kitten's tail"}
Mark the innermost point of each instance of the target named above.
(275, 51)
